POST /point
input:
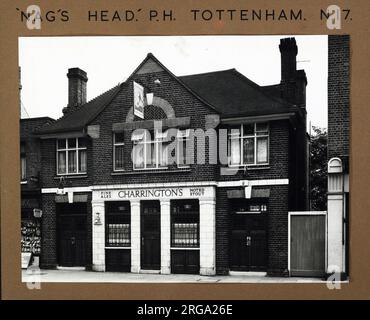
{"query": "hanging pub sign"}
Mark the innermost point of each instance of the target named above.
(138, 100)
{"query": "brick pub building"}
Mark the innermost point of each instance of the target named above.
(108, 206)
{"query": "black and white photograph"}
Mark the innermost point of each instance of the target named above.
(201, 159)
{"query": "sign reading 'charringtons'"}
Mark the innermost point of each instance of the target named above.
(155, 193)
(148, 193)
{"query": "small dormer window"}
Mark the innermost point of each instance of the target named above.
(71, 156)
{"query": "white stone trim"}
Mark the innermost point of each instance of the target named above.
(165, 216)
(135, 236)
(98, 235)
(244, 183)
(237, 183)
(207, 236)
(67, 189)
(335, 247)
(152, 185)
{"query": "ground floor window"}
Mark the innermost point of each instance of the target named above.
(117, 224)
(185, 223)
(185, 236)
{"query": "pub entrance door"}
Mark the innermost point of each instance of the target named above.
(71, 231)
(248, 239)
(150, 235)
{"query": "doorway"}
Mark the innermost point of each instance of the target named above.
(72, 224)
(150, 235)
(248, 239)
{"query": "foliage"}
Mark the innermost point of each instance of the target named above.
(318, 169)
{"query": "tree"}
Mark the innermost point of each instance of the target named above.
(318, 169)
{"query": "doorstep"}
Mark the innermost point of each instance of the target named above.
(71, 268)
(146, 271)
(73, 276)
(248, 273)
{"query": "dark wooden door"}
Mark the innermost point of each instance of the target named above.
(248, 245)
(307, 245)
(240, 252)
(150, 235)
(72, 239)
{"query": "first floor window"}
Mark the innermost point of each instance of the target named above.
(182, 145)
(249, 144)
(118, 151)
(117, 224)
(149, 153)
(23, 162)
(71, 156)
(184, 223)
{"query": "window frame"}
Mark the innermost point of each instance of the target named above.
(194, 212)
(110, 213)
(241, 137)
(156, 141)
(77, 148)
(117, 144)
(182, 136)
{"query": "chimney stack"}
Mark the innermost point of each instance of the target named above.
(77, 79)
(293, 81)
(288, 49)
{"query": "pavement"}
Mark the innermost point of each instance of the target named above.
(37, 275)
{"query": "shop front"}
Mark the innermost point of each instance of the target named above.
(150, 229)
(30, 227)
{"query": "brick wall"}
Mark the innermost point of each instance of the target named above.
(49, 230)
(32, 150)
(338, 96)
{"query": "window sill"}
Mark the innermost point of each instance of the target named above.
(250, 167)
(119, 248)
(185, 248)
(118, 173)
(151, 171)
(72, 176)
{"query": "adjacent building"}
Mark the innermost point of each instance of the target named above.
(30, 160)
(338, 154)
(167, 174)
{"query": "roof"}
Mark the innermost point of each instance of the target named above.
(29, 125)
(227, 92)
(232, 94)
(83, 115)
